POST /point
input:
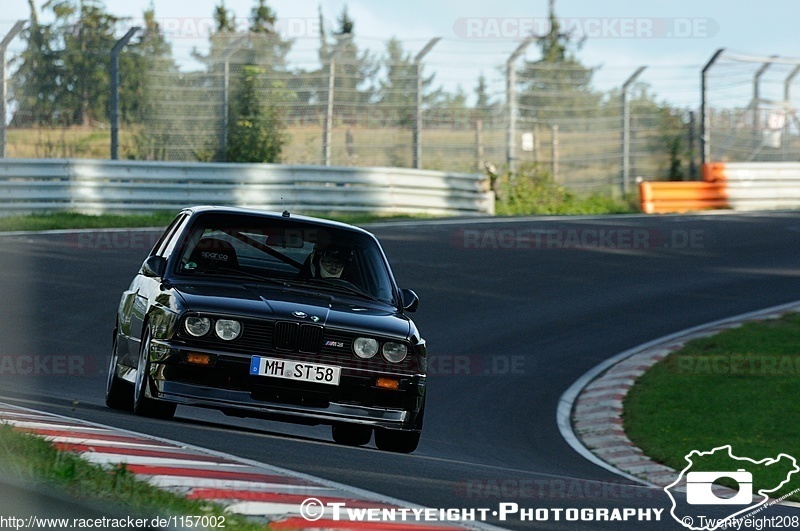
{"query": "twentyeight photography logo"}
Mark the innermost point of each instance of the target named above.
(716, 488)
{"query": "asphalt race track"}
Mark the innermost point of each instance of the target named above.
(514, 312)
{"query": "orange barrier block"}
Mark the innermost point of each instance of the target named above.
(714, 172)
(668, 197)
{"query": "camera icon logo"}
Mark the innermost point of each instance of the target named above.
(699, 492)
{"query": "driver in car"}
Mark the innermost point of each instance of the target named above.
(329, 263)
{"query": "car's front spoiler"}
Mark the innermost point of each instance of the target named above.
(242, 402)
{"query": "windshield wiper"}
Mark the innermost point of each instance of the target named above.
(317, 283)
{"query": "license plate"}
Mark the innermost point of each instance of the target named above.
(295, 370)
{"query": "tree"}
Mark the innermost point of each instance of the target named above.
(224, 20)
(483, 101)
(346, 24)
(259, 53)
(396, 94)
(63, 76)
(354, 71)
(255, 127)
(261, 44)
(267, 48)
(262, 18)
(146, 65)
(557, 85)
(155, 95)
(663, 132)
(34, 86)
(87, 80)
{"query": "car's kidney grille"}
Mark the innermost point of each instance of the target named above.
(296, 337)
(256, 336)
(285, 336)
(310, 339)
(298, 341)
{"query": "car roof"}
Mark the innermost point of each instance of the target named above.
(273, 215)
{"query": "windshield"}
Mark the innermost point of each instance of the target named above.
(254, 248)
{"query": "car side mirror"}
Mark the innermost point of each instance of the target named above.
(409, 300)
(154, 266)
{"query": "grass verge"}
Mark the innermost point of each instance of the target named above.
(70, 220)
(30, 458)
(532, 191)
(735, 388)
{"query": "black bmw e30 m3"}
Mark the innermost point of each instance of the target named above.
(274, 316)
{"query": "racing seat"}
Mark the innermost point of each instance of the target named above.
(213, 253)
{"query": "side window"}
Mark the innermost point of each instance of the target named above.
(171, 241)
(166, 237)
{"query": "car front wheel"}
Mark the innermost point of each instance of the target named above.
(142, 404)
(403, 442)
(350, 435)
(118, 391)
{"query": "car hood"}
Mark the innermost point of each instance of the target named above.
(282, 303)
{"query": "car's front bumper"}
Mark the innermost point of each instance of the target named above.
(227, 385)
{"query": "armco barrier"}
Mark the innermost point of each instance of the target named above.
(735, 185)
(681, 196)
(94, 186)
(757, 185)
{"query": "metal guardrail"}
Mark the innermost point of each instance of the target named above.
(757, 185)
(681, 196)
(734, 185)
(95, 186)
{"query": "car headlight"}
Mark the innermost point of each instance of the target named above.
(197, 326)
(228, 329)
(394, 352)
(365, 347)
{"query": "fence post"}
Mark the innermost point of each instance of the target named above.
(626, 130)
(327, 127)
(328, 123)
(418, 102)
(756, 103)
(788, 109)
(692, 135)
(234, 47)
(705, 129)
(479, 144)
(511, 102)
(4, 83)
(554, 133)
(115, 89)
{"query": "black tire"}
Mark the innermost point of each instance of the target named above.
(119, 393)
(402, 442)
(143, 405)
(351, 435)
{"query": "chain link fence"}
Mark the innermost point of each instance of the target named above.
(750, 115)
(460, 106)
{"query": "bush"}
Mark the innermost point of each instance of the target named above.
(532, 191)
